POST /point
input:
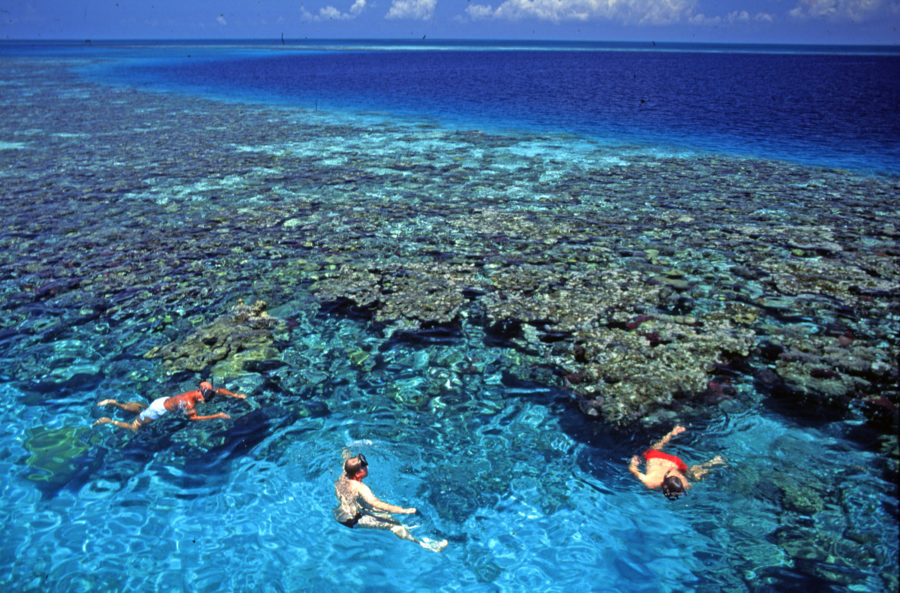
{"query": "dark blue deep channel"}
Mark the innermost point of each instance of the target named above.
(827, 106)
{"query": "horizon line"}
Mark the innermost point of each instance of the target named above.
(424, 40)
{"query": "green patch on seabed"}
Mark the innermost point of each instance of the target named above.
(55, 452)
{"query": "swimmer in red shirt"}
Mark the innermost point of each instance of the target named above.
(185, 402)
(668, 471)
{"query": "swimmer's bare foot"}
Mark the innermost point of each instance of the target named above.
(434, 546)
(103, 420)
(718, 460)
(106, 402)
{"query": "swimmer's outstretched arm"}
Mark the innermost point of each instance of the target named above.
(633, 468)
(223, 391)
(370, 498)
(658, 445)
(194, 416)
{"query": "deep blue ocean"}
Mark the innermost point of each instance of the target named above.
(148, 187)
(819, 105)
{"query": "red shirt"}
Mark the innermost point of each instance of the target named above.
(657, 454)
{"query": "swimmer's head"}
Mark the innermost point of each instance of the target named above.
(672, 487)
(354, 465)
(207, 391)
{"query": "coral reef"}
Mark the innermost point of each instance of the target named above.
(648, 283)
(244, 335)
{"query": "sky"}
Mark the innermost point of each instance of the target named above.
(735, 21)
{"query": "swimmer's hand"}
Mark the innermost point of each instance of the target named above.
(409, 511)
(633, 465)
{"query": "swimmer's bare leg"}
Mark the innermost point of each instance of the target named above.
(403, 533)
(133, 407)
(132, 426)
(698, 471)
(400, 530)
(433, 545)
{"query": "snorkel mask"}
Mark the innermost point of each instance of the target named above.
(355, 464)
(208, 393)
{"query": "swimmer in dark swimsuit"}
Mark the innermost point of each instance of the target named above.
(358, 507)
(668, 471)
(185, 402)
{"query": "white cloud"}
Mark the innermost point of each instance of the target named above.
(480, 11)
(411, 9)
(642, 12)
(743, 16)
(330, 13)
(836, 10)
(702, 19)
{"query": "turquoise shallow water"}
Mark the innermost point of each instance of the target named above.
(132, 219)
(527, 501)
